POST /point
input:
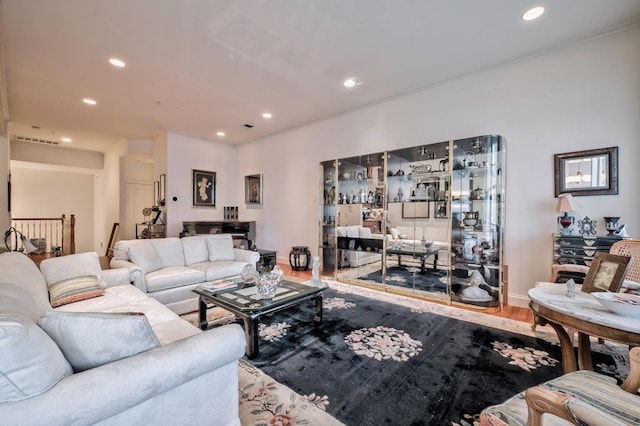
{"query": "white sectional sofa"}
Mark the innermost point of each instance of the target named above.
(99, 361)
(358, 257)
(167, 269)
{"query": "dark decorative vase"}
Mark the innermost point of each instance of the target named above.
(611, 224)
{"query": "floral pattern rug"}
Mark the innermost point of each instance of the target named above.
(266, 401)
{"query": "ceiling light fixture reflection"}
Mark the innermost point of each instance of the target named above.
(89, 101)
(266, 115)
(221, 134)
(117, 62)
(349, 83)
(65, 139)
(533, 13)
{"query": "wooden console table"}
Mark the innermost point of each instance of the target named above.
(584, 314)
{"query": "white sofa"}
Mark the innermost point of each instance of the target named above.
(413, 236)
(355, 258)
(167, 269)
(86, 363)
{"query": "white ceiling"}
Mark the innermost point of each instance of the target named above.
(195, 67)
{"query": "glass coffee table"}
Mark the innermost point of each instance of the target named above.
(417, 253)
(243, 302)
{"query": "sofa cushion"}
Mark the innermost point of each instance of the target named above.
(89, 339)
(353, 231)
(57, 269)
(341, 231)
(220, 249)
(364, 232)
(23, 290)
(195, 250)
(221, 269)
(128, 298)
(75, 289)
(173, 276)
(170, 251)
(30, 362)
(146, 257)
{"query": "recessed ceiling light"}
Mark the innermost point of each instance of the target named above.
(350, 82)
(65, 139)
(117, 62)
(533, 13)
(267, 115)
(89, 101)
(221, 134)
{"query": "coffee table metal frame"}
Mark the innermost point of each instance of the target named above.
(421, 254)
(243, 303)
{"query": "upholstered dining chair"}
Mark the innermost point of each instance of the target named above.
(579, 398)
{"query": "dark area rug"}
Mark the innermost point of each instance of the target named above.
(411, 277)
(381, 363)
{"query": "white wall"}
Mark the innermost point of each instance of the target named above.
(5, 217)
(107, 198)
(582, 97)
(41, 196)
(185, 154)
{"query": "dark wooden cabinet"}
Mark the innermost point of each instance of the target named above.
(579, 250)
(239, 230)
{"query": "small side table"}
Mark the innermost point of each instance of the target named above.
(299, 258)
(267, 259)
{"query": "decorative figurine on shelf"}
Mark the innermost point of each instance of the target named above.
(621, 231)
(400, 193)
(587, 226)
(331, 196)
(611, 223)
(315, 271)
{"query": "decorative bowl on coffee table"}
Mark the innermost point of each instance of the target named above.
(619, 303)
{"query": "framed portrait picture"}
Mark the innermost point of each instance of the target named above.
(204, 188)
(253, 189)
(606, 273)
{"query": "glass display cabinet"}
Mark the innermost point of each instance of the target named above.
(328, 216)
(477, 211)
(425, 220)
(418, 194)
(360, 217)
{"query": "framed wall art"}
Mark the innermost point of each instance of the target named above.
(592, 172)
(204, 188)
(606, 273)
(253, 189)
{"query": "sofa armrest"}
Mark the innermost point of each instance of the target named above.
(102, 392)
(136, 275)
(249, 256)
(116, 277)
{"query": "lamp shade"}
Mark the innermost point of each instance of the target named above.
(566, 203)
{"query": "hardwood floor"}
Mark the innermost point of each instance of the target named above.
(512, 312)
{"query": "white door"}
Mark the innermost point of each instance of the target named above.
(137, 197)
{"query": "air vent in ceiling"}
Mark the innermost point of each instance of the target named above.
(35, 140)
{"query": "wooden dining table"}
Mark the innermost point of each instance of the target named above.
(583, 314)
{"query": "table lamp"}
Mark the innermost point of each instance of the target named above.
(566, 204)
(26, 244)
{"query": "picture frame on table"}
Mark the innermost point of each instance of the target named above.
(204, 188)
(253, 189)
(606, 273)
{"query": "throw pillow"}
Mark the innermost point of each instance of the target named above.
(74, 289)
(195, 249)
(353, 231)
(146, 256)
(90, 339)
(30, 362)
(57, 269)
(365, 232)
(395, 233)
(220, 249)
